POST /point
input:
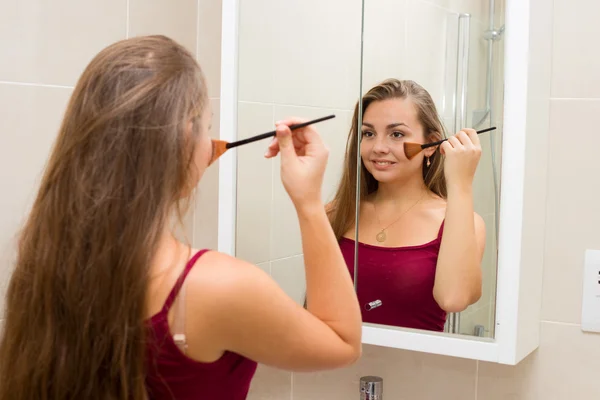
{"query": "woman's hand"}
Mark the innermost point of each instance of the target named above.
(462, 153)
(303, 161)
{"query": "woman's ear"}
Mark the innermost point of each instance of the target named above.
(432, 137)
(428, 152)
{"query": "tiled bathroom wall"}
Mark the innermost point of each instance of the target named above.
(42, 54)
(296, 58)
(568, 360)
(44, 47)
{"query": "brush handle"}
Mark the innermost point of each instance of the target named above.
(272, 133)
(426, 145)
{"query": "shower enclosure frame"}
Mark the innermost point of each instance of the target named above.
(458, 54)
(458, 102)
(521, 225)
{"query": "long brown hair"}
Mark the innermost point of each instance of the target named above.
(76, 302)
(342, 209)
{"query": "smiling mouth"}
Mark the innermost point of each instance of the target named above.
(383, 163)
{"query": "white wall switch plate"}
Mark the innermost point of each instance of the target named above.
(590, 308)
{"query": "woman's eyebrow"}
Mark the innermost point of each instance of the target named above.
(390, 126)
(394, 125)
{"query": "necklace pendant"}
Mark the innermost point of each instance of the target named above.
(381, 236)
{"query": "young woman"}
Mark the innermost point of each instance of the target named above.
(420, 242)
(96, 307)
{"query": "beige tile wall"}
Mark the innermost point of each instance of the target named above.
(304, 40)
(208, 51)
(49, 55)
(31, 116)
(44, 48)
(567, 363)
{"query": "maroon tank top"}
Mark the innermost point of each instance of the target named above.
(173, 375)
(402, 278)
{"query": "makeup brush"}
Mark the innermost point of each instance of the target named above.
(412, 149)
(221, 146)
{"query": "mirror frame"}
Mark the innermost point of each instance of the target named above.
(527, 62)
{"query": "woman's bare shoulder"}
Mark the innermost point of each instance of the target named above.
(217, 263)
(221, 274)
(435, 208)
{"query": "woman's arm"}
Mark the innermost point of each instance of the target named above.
(458, 275)
(255, 318)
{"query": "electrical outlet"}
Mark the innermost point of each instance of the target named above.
(590, 307)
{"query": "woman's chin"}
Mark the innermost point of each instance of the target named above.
(384, 176)
(388, 177)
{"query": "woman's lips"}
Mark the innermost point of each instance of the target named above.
(382, 165)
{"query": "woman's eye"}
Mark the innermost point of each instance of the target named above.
(367, 133)
(397, 135)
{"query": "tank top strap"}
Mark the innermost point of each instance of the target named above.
(179, 283)
(441, 230)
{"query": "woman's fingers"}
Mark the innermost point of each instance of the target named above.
(473, 136)
(273, 149)
(445, 147)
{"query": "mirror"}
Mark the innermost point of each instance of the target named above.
(427, 41)
(309, 71)
(453, 53)
(416, 267)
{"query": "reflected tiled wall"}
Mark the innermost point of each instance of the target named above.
(567, 363)
(325, 66)
(297, 40)
(415, 39)
(44, 48)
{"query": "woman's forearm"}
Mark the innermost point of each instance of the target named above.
(329, 289)
(458, 273)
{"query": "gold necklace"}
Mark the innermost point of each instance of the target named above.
(382, 236)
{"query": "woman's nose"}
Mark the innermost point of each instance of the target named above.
(381, 147)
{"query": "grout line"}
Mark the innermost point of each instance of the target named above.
(547, 183)
(575, 98)
(127, 22)
(481, 307)
(46, 85)
(272, 208)
(560, 323)
(287, 258)
(36, 84)
(294, 105)
(476, 378)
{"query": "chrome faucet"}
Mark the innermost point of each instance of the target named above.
(371, 388)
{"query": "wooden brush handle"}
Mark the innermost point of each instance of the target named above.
(272, 133)
(426, 145)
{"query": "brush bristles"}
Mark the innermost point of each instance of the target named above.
(218, 148)
(412, 149)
